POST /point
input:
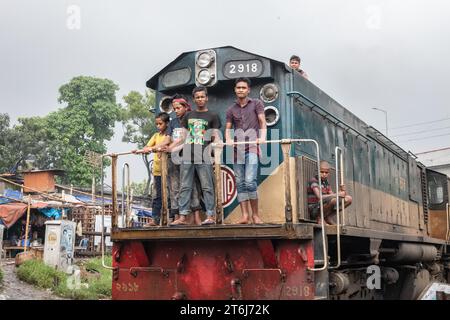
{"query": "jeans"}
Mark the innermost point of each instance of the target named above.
(157, 200)
(206, 178)
(174, 189)
(246, 174)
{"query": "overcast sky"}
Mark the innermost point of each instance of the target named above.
(390, 54)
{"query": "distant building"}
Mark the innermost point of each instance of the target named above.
(444, 168)
(437, 160)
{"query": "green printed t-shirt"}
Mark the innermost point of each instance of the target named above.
(200, 126)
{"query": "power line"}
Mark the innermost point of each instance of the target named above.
(423, 131)
(434, 150)
(424, 138)
(420, 123)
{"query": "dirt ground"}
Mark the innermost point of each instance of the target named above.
(14, 289)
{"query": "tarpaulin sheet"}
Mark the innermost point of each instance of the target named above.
(11, 212)
(86, 198)
(143, 212)
(51, 212)
(4, 200)
(10, 196)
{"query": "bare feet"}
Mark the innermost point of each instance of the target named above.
(180, 221)
(327, 223)
(257, 219)
(244, 219)
(197, 218)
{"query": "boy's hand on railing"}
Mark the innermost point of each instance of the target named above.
(166, 149)
(342, 191)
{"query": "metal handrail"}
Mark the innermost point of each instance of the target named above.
(447, 209)
(220, 145)
(286, 160)
(103, 219)
(125, 169)
(338, 222)
(328, 114)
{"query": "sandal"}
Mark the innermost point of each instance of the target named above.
(209, 221)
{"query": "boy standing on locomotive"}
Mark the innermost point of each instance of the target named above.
(247, 118)
(157, 141)
(201, 128)
(174, 145)
(328, 197)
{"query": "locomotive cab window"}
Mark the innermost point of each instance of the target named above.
(436, 192)
(437, 189)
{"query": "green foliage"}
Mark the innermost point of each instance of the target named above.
(1, 275)
(39, 274)
(92, 287)
(139, 188)
(61, 139)
(139, 124)
(6, 158)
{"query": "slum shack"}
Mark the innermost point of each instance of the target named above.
(26, 204)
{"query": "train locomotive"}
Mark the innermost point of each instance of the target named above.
(391, 243)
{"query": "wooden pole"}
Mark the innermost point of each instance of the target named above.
(218, 173)
(114, 213)
(26, 227)
(286, 147)
(93, 187)
(164, 218)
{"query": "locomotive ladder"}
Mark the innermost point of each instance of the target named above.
(339, 165)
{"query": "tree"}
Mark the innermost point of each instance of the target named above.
(139, 188)
(61, 139)
(22, 143)
(6, 158)
(83, 125)
(139, 123)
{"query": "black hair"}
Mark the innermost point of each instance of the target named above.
(198, 89)
(246, 80)
(179, 96)
(163, 116)
(295, 58)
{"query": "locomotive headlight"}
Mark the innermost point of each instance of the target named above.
(204, 59)
(272, 115)
(166, 105)
(204, 76)
(269, 92)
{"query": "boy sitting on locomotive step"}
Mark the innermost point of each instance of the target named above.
(329, 198)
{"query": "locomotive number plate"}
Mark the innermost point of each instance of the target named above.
(243, 68)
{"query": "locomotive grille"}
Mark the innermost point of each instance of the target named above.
(306, 171)
(423, 178)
